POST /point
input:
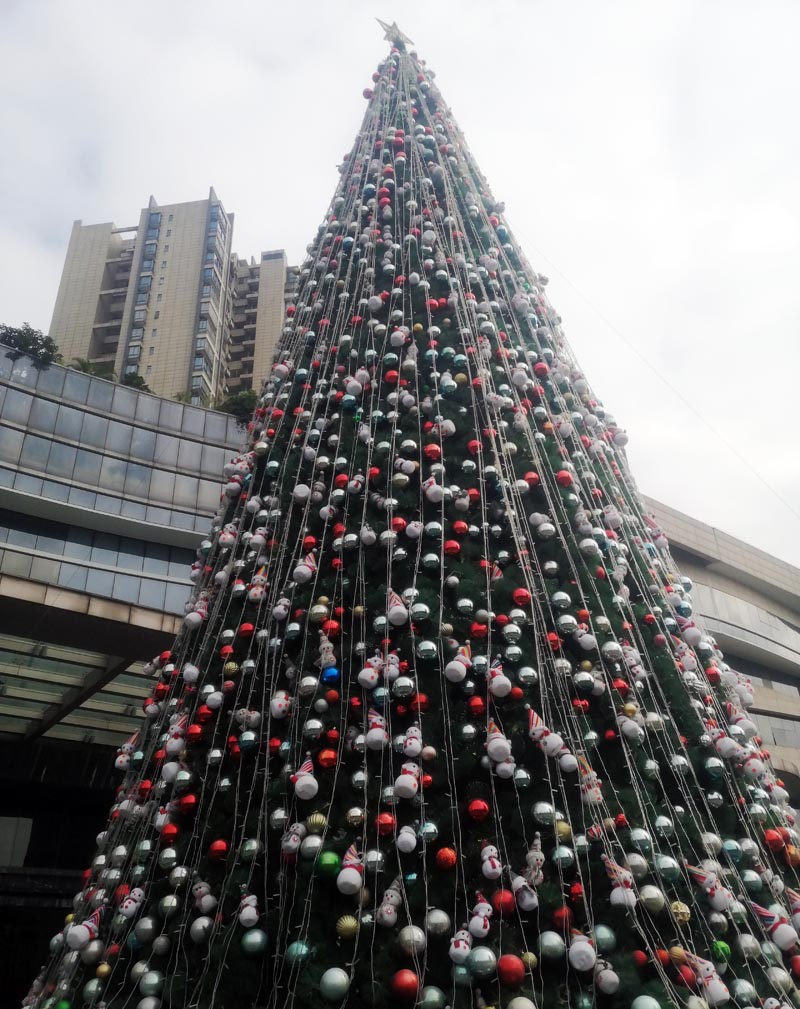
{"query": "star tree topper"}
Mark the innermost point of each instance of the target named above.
(393, 33)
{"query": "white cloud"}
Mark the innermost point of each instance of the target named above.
(647, 155)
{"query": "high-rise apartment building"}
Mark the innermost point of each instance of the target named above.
(260, 291)
(153, 299)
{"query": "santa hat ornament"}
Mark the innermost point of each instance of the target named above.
(351, 875)
(524, 894)
(396, 612)
(480, 922)
(499, 683)
(491, 866)
(248, 910)
(79, 936)
(305, 784)
(305, 570)
(377, 737)
(456, 670)
(406, 784)
(712, 988)
(794, 905)
(406, 840)
(718, 896)
(386, 914)
(536, 727)
(622, 894)
(460, 946)
(582, 955)
(535, 860)
(497, 746)
(777, 926)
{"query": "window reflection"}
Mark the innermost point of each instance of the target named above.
(43, 415)
(10, 444)
(17, 406)
(68, 423)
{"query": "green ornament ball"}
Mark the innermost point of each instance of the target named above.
(328, 864)
(481, 962)
(254, 942)
(432, 997)
(584, 1001)
(720, 950)
(551, 946)
(297, 952)
(605, 939)
(742, 991)
(334, 984)
(461, 976)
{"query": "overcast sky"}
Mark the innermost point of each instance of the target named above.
(647, 153)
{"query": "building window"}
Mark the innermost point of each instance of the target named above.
(137, 333)
(150, 249)
(206, 293)
(199, 362)
(169, 232)
(156, 314)
(160, 296)
(134, 352)
(142, 298)
(154, 333)
(131, 369)
(155, 218)
(160, 281)
(152, 233)
(166, 248)
(163, 264)
(170, 218)
(144, 283)
(202, 325)
(139, 315)
(151, 351)
(147, 265)
(149, 369)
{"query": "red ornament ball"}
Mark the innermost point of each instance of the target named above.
(477, 811)
(405, 985)
(446, 858)
(169, 834)
(504, 903)
(564, 478)
(521, 597)
(640, 958)
(218, 850)
(773, 840)
(510, 970)
(563, 919)
(385, 824)
(477, 706)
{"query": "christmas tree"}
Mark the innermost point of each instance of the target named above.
(439, 729)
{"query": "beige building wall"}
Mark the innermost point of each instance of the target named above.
(172, 312)
(269, 317)
(78, 298)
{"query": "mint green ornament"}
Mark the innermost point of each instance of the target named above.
(254, 942)
(297, 952)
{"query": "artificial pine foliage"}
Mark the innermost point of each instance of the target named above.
(440, 729)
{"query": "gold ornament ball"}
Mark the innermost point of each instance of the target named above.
(324, 601)
(563, 830)
(586, 666)
(631, 709)
(530, 960)
(347, 926)
(365, 897)
(103, 970)
(446, 629)
(358, 611)
(418, 327)
(680, 911)
(609, 825)
(316, 822)
(69, 919)
(677, 954)
(230, 668)
(461, 378)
